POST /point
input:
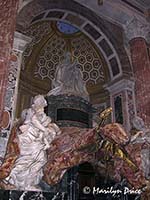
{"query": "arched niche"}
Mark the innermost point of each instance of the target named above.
(106, 36)
(50, 41)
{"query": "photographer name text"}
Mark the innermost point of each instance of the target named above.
(114, 192)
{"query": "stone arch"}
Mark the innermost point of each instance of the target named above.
(87, 21)
(92, 31)
(110, 44)
(31, 65)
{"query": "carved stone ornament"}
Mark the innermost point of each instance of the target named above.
(136, 28)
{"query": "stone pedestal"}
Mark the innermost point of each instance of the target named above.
(66, 111)
(69, 111)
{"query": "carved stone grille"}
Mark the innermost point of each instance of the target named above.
(53, 50)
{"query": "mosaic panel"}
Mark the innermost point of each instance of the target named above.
(10, 102)
(83, 52)
(50, 56)
(32, 195)
(36, 32)
(118, 109)
(74, 19)
(114, 66)
(55, 14)
(131, 106)
(105, 46)
(92, 31)
(38, 17)
(12, 82)
(88, 60)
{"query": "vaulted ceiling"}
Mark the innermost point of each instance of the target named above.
(117, 11)
(100, 21)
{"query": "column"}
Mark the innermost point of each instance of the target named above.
(122, 101)
(138, 37)
(8, 11)
(10, 99)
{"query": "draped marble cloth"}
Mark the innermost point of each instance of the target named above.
(75, 146)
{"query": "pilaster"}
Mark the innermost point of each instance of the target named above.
(10, 99)
(122, 100)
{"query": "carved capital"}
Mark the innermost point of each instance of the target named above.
(136, 28)
(20, 41)
(122, 85)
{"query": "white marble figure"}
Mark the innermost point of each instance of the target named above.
(68, 80)
(36, 135)
(142, 137)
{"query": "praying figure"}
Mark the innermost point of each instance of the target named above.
(68, 80)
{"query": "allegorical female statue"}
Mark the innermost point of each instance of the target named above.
(68, 79)
(72, 147)
(35, 136)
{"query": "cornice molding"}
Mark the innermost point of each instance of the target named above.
(120, 86)
(20, 41)
(137, 28)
